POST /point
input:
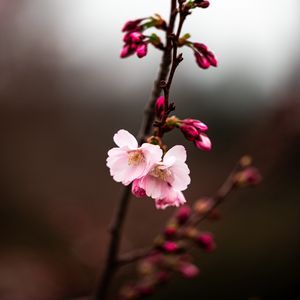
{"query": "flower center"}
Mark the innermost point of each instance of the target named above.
(159, 172)
(135, 157)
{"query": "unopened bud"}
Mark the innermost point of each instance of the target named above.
(248, 177)
(170, 247)
(190, 132)
(160, 107)
(170, 231)
(183, 214)
(131, 25)
(142, 50)
(202, 61)
(203, 142)
(206, 241)
(136, 190)
(203, 4)
(203, 205)
(188, 270)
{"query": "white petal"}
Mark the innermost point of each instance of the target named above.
(181, 178)
(152, 154)
(123, 138)
(177, 151)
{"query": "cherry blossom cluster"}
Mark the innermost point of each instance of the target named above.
(136, 41)
(161, 177)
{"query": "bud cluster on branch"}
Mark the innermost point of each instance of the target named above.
(148, 167)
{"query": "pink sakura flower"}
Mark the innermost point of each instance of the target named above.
(129, 162)
(204, 57)
(167, 178)
(175, 198)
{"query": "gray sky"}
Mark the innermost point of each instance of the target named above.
(257, 39)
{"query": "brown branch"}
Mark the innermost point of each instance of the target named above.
(120, 214)
(162, 75)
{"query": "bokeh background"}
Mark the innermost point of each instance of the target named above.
(63, 94)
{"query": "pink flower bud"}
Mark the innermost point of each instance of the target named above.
(190, 132)
(203, 4)
(160, 107)
(248, 177)
(196, 123)
(204, 57)
(201, 47)
(183, 214)
(126, 51)
(211, 58)
(189, 270)
(131, 25)
(170, 247)
(136, 190)
(170, 231)
(141, 50)
(206, 241)
(202, 61)
(203, 142)
(136, 36)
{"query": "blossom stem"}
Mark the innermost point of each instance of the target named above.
(175, 62)
(164, 69)
(111, 261)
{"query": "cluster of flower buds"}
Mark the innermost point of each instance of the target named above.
(194, 131)
(170, 255)
(204, 57)
(134, 39)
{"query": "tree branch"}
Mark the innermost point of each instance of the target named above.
(120, 214)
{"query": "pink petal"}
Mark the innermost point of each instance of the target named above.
(203, 143)
(152, 154)
(123, 138)
(181, 178)
(178, 151)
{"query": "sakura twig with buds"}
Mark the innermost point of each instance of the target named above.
(145, 165)
(243, 175)
(170, 251)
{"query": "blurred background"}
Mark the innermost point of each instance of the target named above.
(64, 92)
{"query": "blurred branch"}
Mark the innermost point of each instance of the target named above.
(234, 180)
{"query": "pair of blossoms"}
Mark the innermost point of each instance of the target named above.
(161, 177)
(152, 173)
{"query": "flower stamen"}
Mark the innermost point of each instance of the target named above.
(135, 157)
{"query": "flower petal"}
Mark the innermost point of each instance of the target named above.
(178, 151)
(123, 138)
